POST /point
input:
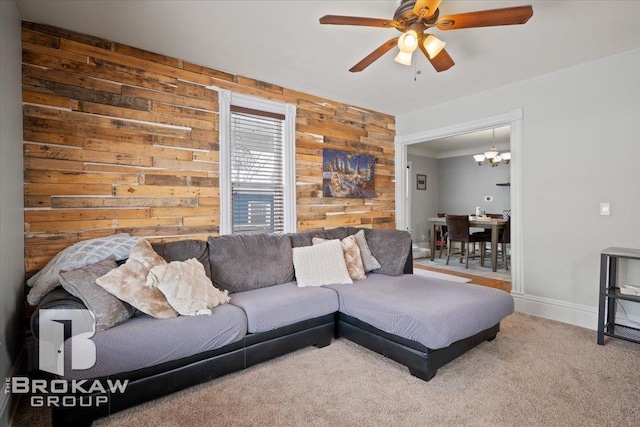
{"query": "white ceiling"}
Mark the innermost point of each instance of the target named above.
(282, 42)
(466, 144)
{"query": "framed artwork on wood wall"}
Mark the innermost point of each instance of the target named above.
(348, 174)
(421, 182)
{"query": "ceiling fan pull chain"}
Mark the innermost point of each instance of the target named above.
(416, 72)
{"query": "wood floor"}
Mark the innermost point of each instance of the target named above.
(478, 280)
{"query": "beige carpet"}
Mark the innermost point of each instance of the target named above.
(536, 373)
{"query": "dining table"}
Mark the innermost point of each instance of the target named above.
(495, 224)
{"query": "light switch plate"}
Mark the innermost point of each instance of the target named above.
(605, 209)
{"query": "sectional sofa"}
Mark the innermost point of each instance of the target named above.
(418, 321)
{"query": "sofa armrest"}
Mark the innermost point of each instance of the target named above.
(58, 299)
(408, 266)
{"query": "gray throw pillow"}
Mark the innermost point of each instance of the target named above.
(242, 262)
(368, 260)
(391, 248)
(81, 283)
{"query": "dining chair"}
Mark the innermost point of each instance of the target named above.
(441, 236)
(487, 231)
(458, 228)
(504, 238)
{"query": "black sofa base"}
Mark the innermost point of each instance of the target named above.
(422, 362)
(151, 383)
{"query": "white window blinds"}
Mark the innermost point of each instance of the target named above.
(257, 165)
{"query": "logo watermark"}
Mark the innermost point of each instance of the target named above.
(51, 340)
(51, 359)
(65, 393)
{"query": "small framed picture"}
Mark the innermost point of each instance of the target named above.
(421, 182)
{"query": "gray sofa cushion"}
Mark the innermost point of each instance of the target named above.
(143, 341)
(433, 312)
(391, 248)
(306, 239)
(281, 305)
(242, 262)
(183, 250)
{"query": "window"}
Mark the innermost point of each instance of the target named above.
(257, 169)
(257, 179)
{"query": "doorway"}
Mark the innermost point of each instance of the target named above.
(514, 119)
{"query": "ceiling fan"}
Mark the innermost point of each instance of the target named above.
(414, 17)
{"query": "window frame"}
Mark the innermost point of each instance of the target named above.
(226, 99)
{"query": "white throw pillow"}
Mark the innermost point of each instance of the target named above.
(78, 255)
(321, 264)
(187, 287)
(351, 253)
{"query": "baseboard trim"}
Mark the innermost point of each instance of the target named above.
(5, 398)
(562, 311)
(566, 312)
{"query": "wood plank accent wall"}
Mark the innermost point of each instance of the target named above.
(117, 139)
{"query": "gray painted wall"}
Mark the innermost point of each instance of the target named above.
(581, 147)
(455, 185)
(424, 203)
(464, 185)
(11, 200)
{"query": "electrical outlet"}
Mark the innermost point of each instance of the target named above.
(605, 208)
(488, 198)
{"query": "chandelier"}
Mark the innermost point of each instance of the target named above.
(492, 157)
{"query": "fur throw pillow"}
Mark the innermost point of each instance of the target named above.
(128, 282)
(187, 287)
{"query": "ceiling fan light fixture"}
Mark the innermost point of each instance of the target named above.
(433, 45)
(403, 58)
(413, 17)
(408, 41)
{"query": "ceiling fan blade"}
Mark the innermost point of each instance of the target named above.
(486, 18)
(426, 7)
(441, 62)
(357, 20)
(369, 59)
